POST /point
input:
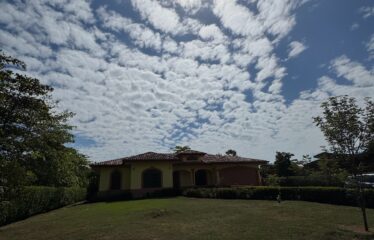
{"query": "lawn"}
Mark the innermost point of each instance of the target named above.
(188, 218)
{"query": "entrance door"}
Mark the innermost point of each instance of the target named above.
(201, 177)
(176, 180)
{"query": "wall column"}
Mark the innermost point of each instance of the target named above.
(193, 176)
(218, 180)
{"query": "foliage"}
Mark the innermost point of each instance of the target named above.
(332, 195)
(315, 179)
(283, 164)
(33, 135)
(231, 152)
(178, 149)
(36, 199)
(348, 129)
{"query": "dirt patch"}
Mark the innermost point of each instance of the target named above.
(357, 229)
(157, 213)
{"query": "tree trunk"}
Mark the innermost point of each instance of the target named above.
(363, 207)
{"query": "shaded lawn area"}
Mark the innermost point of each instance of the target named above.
(189, 218)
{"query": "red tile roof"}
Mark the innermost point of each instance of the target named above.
(152, 156)
(206, 158)
(191, 152)
(209, 158)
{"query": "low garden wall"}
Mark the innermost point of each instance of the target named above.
(36, 199)
(331, 195)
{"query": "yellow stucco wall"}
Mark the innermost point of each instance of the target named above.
(132, 174)
(213, 172)
(105, 172)
(137, 169)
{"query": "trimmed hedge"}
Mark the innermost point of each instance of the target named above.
(36, 199)
(331, 195)
(301, 181)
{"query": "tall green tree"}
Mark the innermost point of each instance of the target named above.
(283, 164)
(33, 134)
(231, 152)
(349, 130)
(178, 149)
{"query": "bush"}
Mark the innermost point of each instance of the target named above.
(35, 199)
(331, 195)
(300, 181)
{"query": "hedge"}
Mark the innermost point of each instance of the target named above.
(37, 199)
(301, 181)
(331, 195)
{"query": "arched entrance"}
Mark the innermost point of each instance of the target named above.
(115, 180)
(176, 180)
(152, 178)
(201, 177)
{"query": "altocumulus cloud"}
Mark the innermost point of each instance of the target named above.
(146, 75)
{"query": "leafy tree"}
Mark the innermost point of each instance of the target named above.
(178, 149)
(349, 130)
(33, 134)
(283, 164)
(231, 152)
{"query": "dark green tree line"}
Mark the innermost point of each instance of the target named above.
(33, 134)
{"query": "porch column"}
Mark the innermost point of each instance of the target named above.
(218, 180)
(193, 177)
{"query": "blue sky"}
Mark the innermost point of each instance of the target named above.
(144, 75)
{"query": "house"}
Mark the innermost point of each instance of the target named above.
(365, 160)
(149, 172)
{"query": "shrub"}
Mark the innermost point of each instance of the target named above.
(36, 199)
(300, 181)
(331, 195)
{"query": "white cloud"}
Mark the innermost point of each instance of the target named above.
(164, 19)
(142, 35)
(353, 71)
(295, 48)
(196, 91)
(367, 11)
(370, 47)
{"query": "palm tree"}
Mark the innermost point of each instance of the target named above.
(178, 149)
(231, 152)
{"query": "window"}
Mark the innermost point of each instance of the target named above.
(152, 178)
(115, 180)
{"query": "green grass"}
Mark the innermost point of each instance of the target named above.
(188, 218)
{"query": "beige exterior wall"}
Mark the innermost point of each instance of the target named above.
(105, 172)
(187, 177)
(132, 174)
(137, 169)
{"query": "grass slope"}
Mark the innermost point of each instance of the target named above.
(188, 218)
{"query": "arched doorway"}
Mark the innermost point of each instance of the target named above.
(115, 180)
(176, 180)
(152, 178)
(201, 177)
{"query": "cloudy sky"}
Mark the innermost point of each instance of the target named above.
(144, 75)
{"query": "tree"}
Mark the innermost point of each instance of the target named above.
(231, 152)
(349, 130)
(283, 163)
(33, 134)
(178, 149)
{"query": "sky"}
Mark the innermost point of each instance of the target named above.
(145, 75)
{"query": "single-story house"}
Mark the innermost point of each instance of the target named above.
(150, 171)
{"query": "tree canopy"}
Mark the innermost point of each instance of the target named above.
(231, 152)
(178, 149)
(34, 134)
(283, 164)
(348, 128)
